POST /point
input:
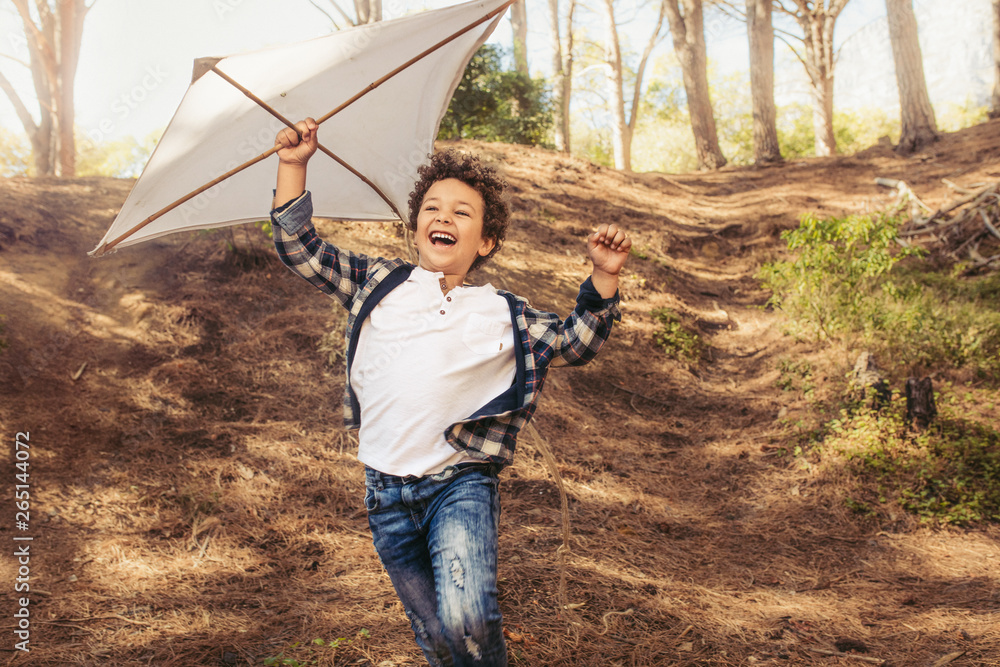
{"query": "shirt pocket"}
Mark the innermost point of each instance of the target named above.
(485, 336)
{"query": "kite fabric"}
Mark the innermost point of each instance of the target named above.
(384, 135)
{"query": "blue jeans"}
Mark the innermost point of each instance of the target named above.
(437, 538)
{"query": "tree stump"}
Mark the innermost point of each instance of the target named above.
(867, 386)
(920, 407)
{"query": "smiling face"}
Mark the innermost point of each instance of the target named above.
(449, 233)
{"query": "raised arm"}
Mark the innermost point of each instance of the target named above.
(609, 247)
(293, 156)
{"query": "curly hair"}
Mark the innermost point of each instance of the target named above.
(483, 178)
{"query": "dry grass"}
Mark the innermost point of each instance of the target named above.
(195, 500)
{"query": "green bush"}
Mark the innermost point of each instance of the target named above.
(837, 282)
(15, 154)
(949, 473)
(955, 117)
(315, 652)
(118, 158)
(491, 104)
(678, 340)
(853, 130)
(847, 282)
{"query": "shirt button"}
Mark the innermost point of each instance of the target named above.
(448, 298)
(442, 312)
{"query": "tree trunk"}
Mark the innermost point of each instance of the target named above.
(765, 126)
(817, 19)
(826, 140)
(920, 407)
(919, 126)
(71, 15)
(40, 135)
(621, 138)
(519, 26)
(53, 36)
(994, 111)
(688, 33)
(368, 11)
(562, 73)
(867, 388)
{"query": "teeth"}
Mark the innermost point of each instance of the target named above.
(442, 235)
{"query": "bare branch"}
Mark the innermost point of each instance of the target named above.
(780, 6)
(654, 39)
(343, 14)
(791, 47)
(13, 59)
(325, 13)
(730, 9)
(788, 34)
(22, 111)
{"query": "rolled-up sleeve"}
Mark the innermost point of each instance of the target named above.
(330, 269)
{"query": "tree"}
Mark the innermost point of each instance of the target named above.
(562, 71)
(491, 104)
(918, 125)
(519, 26)
(53, 31)
(621, 139)
(365, 11)
(994, 111)
(816, 19)
(765, 127)
(688, 32)
(623, 128)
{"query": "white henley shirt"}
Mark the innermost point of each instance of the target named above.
(425, 360)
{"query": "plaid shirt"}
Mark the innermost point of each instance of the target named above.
(360, 282)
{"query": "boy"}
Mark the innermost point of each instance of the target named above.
(440, 378)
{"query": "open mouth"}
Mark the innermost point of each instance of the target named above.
(443, 239)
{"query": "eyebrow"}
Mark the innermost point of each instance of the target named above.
(427, 200)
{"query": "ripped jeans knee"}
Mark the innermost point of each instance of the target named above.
(437, 539)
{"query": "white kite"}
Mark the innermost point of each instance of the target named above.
(378, 90)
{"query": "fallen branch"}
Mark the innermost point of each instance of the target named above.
(970, 198)
(904, 193)
(642, 396)
(956, 228)
(981, 264)
(962, 190)
(946, 659)
(989, 225)
(841, 654)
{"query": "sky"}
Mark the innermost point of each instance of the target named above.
(136, 59)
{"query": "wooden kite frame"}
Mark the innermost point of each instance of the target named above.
(106, 247)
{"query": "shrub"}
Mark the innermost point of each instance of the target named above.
(678, 340)
(840, 274)
(850, 281)
(492, 104)
(949, 473)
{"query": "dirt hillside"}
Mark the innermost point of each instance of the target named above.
(194, 499)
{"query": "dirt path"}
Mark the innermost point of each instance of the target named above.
(194, 499)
